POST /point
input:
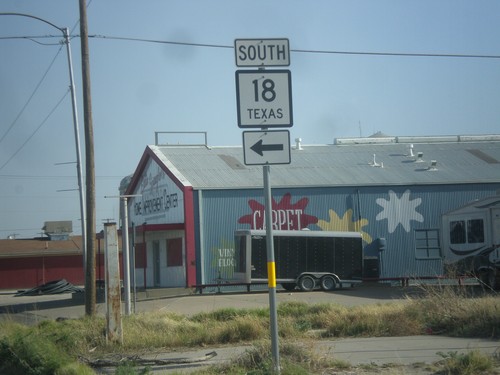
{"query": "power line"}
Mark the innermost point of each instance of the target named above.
(17, 229)
(36, 130)
(401, 54)
(31, 96)
(49, 177)
(33, 38)
(160, 41)
(296, 50)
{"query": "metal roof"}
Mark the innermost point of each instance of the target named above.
(348, 162)
(37, 247)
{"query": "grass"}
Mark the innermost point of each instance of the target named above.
(28, 351)
(471, 363)
(54, 347)
(295, 359)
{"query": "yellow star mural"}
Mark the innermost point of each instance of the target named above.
(345, 224)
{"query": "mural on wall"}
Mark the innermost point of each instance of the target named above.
(288, 215)
(223, 259)
(285, 214)
(345, 224)
(399, 210)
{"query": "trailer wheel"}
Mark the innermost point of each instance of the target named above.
(288, 286)
(306, 283)
(488, 279)
(328, 283)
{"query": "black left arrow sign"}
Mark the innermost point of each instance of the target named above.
(259, 148)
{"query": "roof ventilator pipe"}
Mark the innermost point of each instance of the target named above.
(298, 145)
(411, 154)
(375, 164)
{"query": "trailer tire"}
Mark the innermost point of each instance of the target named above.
(488, 279)
(289, 286)
(328, 283)
(306, 283)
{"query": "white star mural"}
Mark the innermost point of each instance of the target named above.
(399, 210)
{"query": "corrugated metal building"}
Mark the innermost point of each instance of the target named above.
(391, 189)
(28, 263)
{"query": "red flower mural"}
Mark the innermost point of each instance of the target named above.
(285, 214)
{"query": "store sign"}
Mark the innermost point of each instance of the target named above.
(160, 201)
(285, 215)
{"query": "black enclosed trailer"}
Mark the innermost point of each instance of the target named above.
(306, 259)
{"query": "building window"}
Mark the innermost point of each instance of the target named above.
(174, 252)
(457, 232)
(140, 255)
(467, 231)
(475, 231)
(427, 244)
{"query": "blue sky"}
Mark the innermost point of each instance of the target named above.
(140, 87)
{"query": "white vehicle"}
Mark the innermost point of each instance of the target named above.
(471, 240)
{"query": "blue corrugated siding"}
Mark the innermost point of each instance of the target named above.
(393, 213)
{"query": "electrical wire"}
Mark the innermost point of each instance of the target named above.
(31, 96)
(160, 41)
(36, 130)
(32, 38)
(296, 50)
(401, 54)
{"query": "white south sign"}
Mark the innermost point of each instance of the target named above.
(264, 98)
(262, 52)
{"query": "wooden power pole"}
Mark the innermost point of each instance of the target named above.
(90, 285)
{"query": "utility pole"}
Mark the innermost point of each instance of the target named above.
(90, 287)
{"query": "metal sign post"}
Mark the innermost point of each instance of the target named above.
(271, 268)
(126, 256)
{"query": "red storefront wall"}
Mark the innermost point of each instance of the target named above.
(29, 272)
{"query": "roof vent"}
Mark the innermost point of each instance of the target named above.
(411, 154)
(298, 144)
(374, 162)
(420, 156)
(433, 166)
